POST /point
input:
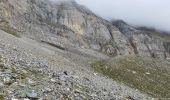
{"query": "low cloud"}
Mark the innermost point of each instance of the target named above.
(150, 13)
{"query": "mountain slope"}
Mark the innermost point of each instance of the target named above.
(146, 74)
(68, 24)
(64, 23)
(33, 70)
(144, 42)
(59, 41)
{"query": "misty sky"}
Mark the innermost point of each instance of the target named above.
(152, 13)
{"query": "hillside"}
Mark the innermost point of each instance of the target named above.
(47, 48)
(148, 75)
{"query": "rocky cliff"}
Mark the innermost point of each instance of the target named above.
(64, 23)
(145, 41)
(68, 24)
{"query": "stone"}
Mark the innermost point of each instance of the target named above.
(134, 72)
(53, 80)
(93, 95)
(68, 89)
(32, 94)
(31, 82)
(46, 90)
(95, 74)
(147, 73)
(22, 85)
(8, 80)
(77, 91)
(62, 78)
(26, 99)
(65, 72)
(1, 85)
(1, 50)
(14, 99)
(40, 99)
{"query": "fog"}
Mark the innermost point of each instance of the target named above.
(150, 13)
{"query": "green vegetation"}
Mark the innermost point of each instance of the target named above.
(12, 32)
(152, 76)
(162, 36)
(1, 97)
(81, 88)
(4, 25)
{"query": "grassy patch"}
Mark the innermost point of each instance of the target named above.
(10, 31)
(1, 97)
(162, 36)
(4, 25)
(151, 76)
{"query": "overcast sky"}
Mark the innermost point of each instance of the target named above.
(152, 13)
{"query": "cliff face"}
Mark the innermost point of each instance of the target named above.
(145, 42)
(67, 24)
(63, 23)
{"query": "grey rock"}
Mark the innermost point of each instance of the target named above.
(53, 80)
(144, 42)
(46, 90)
(32, 94)
(1, 85)
(65, 72)
(31, 82)
(8, 80)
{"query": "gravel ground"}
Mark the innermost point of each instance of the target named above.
(37, 71)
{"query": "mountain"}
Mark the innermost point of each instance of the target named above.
(55, 23)
(145, 41)
(52, 44)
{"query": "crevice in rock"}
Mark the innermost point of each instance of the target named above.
(54, 45)
(110, 31)
(133, 45)
(152, 54)
(167, 46)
